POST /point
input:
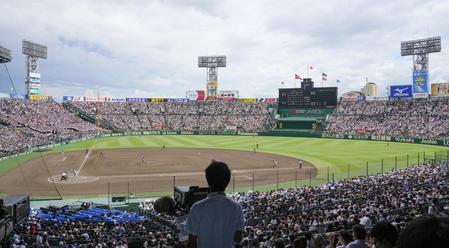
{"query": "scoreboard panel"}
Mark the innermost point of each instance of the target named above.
(308, 97)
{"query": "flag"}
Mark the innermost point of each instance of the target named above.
(338, 81)
(298, 77)
(311, 67)
(324, 76)
(282, 83)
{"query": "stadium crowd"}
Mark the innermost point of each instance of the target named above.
(318, 217)
(184, 116)
(423, 118)
(25, 124)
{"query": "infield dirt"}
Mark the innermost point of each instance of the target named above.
(138, 170)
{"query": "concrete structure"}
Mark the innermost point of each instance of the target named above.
(370, 89)
(353, 93)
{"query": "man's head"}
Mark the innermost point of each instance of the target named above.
(358, 232)
(385, 235)
(425, 232)
(218, 176)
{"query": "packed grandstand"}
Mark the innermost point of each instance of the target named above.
(26, 124)
(307, 216)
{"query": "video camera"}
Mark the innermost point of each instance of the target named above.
(186, 196)
(6, 224)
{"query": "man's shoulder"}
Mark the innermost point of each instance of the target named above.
(205, 202)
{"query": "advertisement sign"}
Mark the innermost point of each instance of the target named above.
(34, 75)
(34, 91)
(269, 100)
(439, 89)
(17, 96)
(212, 92)
(228, 94)
(200, 95)
(400, 91)
(35, 80)
(195, 95)
(136, 99)
(67, 98)
(349, 98)
(78, 98)
(376, 98)
(178, 100)
(157, 99)
(420, 79)
(247, 100)
(38, 98)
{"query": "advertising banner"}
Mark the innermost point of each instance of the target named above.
(212, 93)
(134, 99)
(17, 96)
(439, 89)
(67, 98)
(78, 99)
(178, 100)
(200, 95)
(34, 75)
(269, 100)
(349, 98)
(376, 98)
(401, 91)
(247, 100)
(420, 79)
(195, 95)
(229, 94)
(157, 99)
(35, 80)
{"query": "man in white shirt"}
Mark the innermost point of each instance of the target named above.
(216, 221)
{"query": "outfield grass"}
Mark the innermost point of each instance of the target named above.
(335, 156)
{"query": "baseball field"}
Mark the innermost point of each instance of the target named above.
(149, 165)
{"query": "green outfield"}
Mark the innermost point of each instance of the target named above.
(334, 158)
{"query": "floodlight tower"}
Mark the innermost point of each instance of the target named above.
(420, 50)
(211, 63)
(33, 52)
(5, 55)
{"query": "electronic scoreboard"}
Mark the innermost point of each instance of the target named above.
(307, 96)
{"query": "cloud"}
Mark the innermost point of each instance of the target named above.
(150, 48)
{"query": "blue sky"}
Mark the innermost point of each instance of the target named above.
(150, 48)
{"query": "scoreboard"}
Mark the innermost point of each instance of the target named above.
(308, 96)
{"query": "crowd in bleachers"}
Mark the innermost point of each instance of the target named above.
(91, 227)
(319, 214)
(25, 124)
(184, 116)
(424, 118)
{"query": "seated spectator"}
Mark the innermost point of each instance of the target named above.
(359, 235)
(429, 231)
(384, 235)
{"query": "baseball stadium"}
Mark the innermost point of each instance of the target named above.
(308, 166)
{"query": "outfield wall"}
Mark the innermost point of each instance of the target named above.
(278, 133)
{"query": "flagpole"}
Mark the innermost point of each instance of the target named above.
(308, 67)
(322, 83)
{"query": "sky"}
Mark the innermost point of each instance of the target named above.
(150, 48)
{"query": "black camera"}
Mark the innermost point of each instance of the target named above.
(186, 196)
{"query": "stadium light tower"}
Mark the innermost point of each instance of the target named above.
(33, 52)
(420, 50)
(5, 55)
(211, 63)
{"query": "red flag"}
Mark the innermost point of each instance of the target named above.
(297, 77)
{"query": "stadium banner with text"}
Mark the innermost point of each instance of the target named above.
(67, 98)
(247, 99)
(17, 96)
(177, 100)
(376, 98)
(195, 95)
(136, 99)
(229, 94)
(349, 98)
(157, 99)
(420, 79)
(441, 89)
(269, 100)
(401, 91)
(212, 90)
